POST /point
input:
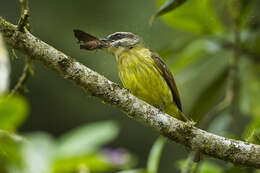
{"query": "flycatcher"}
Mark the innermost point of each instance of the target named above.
(141, 71)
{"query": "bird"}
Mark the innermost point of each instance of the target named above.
(143, 72)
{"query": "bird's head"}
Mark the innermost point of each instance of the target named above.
(122, 40)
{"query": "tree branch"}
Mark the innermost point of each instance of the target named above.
(235, 151)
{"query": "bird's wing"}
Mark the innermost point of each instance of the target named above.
(83, 36)
(167, 75)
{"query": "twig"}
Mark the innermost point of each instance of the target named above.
(22, 25)
(233, 82)
(23, 22)
(235, 151)
(24, 4)
(27, 71)
(189, 162)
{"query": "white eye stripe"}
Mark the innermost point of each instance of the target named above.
(121, 35)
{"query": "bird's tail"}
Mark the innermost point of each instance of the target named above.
(184, 117)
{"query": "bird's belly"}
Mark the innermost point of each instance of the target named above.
(146, 82)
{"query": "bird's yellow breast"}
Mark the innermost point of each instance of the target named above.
(139, 73)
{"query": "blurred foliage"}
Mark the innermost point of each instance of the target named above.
(10, 152)
(204, 167)
(240, 169)
(80, 149)
(199, 44)
(87, 138)
(40, 152)
(252, 132)
(168, 5)
(155, 155)
(195, 16)
(13, 112)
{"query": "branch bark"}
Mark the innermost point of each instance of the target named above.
(235, 151)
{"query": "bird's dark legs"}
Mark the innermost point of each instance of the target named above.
(161, 107)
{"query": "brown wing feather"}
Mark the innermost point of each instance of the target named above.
(167, 75)
(87, 41)
(83, 36)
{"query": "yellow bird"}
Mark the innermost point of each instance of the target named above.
(141, 71)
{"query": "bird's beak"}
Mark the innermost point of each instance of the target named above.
(106, 42)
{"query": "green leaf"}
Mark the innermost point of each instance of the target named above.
(252, 132)
(93, 162)
(168, 5)
(38, 152)
(254, 137)
(86, 139)
(101, 161)
(209, 167)
(13, 112)
(10, 153)
(195, 16)
(9, 145)
(155, 155)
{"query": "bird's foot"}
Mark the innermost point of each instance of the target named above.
(191, 123)
(161, 108)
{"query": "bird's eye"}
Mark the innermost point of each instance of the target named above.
(118, 36)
